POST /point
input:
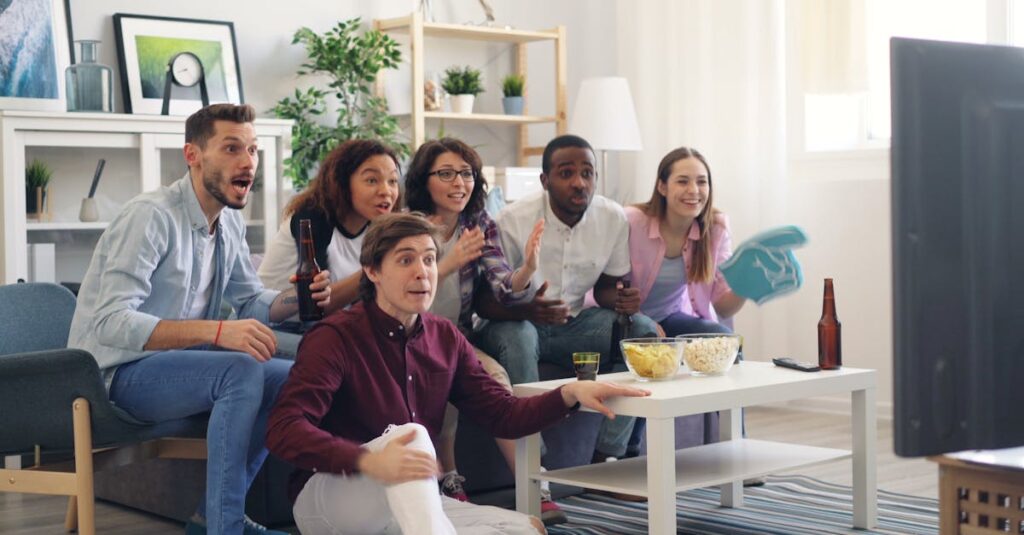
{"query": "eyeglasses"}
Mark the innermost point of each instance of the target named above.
(448, 175)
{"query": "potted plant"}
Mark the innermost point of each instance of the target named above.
(463, 85)
(512, 88)
(37, 177)
(350, 63)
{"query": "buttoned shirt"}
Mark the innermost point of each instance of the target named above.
(647, 251)
(359, 371)
(571, 258)
(147, 267)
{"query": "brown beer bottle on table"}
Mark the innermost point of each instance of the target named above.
(308, 268)
(830, 346)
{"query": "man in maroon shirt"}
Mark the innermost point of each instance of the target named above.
(367, 395)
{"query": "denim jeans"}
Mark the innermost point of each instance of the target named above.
(238, 392)
(520, 345)
(680, 323)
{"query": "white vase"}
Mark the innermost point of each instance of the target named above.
(462, 103)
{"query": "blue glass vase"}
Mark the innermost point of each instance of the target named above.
(89, 85)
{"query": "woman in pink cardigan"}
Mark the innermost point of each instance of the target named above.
(677, 239)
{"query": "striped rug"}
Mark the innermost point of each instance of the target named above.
(785, 505)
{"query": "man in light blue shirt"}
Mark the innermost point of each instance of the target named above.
(149, 305)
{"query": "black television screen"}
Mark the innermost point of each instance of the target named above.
(958, 246)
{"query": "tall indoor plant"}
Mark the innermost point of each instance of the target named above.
(351, 63)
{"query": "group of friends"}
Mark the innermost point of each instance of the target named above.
(432, 308)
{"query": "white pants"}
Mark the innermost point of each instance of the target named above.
(333, 504)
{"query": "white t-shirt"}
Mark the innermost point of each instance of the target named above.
(448, 299)
(282, 258)
(204, 286)
(571, 258)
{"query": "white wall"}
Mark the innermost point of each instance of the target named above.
(269, 61)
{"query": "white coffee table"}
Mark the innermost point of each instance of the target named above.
(665, 471)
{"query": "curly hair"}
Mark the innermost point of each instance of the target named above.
(417, 196)
(330, 192)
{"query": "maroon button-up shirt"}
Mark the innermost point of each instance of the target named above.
(359, 371)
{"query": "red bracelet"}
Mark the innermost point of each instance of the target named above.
(220, 325)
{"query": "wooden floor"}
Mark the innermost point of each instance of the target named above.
(23, 514)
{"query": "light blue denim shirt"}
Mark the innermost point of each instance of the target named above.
(146, 268)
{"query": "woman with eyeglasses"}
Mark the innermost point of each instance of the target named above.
(445, 183)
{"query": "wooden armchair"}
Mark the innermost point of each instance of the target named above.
(56, 406)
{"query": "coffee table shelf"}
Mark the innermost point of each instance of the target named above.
(697, 467)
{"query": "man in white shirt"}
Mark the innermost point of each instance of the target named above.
(585, 247)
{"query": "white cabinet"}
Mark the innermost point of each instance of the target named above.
(143, 152)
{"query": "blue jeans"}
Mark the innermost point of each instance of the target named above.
(520, 345)
(680, 323)
(238, 392)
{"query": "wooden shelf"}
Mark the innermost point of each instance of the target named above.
(701, 466)
(65, 225)
(420, 32)
(461, 31)
(488, 117)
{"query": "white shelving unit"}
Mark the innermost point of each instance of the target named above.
(142, 144)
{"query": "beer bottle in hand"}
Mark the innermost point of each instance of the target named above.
(308, 268)
(830, 347)
(620, 330)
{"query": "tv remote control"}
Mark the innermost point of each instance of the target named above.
(787, 362)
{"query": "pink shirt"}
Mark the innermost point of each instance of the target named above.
(647, 251)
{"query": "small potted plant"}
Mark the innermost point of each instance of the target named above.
(463, 84)
(37, 178)
(512, 87)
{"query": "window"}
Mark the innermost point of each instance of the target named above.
(858, 117)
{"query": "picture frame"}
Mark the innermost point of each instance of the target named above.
(145, 44)
(32, 67)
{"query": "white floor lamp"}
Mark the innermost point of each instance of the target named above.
(604, 115)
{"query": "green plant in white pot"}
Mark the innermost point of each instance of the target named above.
(512, 87)
(37, 178)
(463, 85)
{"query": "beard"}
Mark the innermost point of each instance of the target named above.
(214, 182)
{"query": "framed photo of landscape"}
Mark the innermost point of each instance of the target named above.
(145, 44)
(35, 48)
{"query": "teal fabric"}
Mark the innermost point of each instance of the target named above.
(765, 267)
(39, 379)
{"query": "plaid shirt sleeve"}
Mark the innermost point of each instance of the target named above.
(492, 266)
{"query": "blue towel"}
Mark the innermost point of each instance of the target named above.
(764, 267)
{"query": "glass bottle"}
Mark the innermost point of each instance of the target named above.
(830, 347)
(308, 268)
(620, 330)
(89, 83)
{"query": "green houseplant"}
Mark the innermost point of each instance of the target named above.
(37, 178)
(463, 84)
(350, 62)
(512, 87)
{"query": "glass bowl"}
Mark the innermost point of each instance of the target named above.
(710, 353)
(652, 359)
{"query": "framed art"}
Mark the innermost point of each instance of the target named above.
(146, 44)
(35, 48)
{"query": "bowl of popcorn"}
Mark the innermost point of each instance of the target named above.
(652, 359)
(709, 354)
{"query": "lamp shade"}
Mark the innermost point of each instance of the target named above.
(604, 114)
